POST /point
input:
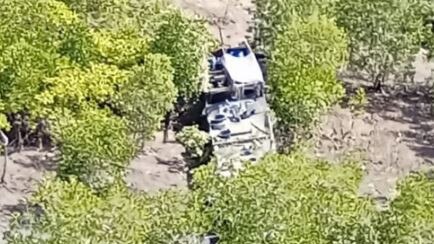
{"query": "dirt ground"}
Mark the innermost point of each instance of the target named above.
(160, 167)
(234, 17)
(394, 136)
(24, 171)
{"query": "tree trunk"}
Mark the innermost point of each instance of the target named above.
(379, 81)
(40, 143)
(19, 140)
(16, 131)
(167, 123)
(377, 85)
(42, 133)
(5, 164)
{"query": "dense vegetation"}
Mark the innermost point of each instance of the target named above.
(385, 41)
(100, 76)
(285, 199)
(381, 42)
(303, 66)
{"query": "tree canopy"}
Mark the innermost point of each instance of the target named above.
(289, 199)
(273, 17)
(124, 62)
(383, 36)
(302, 70)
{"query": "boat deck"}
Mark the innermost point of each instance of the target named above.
(250, 137)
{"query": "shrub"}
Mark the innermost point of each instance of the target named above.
(358, 101)
(272, 16)
(95, 147)
(146, 96)
(187, 42)
(302, 70)
(383, 35)
(411, 214)
(194, 140)
(289, 199)
(283, 199)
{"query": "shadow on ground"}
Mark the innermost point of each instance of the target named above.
(394, 133)
(412, 110)
(24, 171)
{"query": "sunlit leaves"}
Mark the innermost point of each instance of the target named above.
(120, 14)
(4, 124)
(76, 89)
(306, 48)
(22, 68)
(187, 42)
(147, 95)
(124, 48)
(75, 214)
(166, 29)
(194, 140)
(273, 16)
(412, 213)
(383, 35)
(303, 69)
(119, 60)
(45, 24)
(36, 38)
(104, 87)
(95, 146)
(284, 199)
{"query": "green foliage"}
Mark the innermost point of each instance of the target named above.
(73, 213)
(273, 16)
(36, 37)
(22, 69)
(147, 96)
(412, 212)
(47, 25)
(187, 42)
(106, 75)
(359, 100)
(66, 62)
(383, 35)
(115, 15)
(91, 6)
(194, 140)
(4, 122)
(168, 31)
(302, 70)
(124, 48)
(75, 89)
(95, 146)
(284, 199)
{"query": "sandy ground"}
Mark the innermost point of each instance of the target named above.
(24, 171)
(160, 167)
(234, 17)
(394, 136)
